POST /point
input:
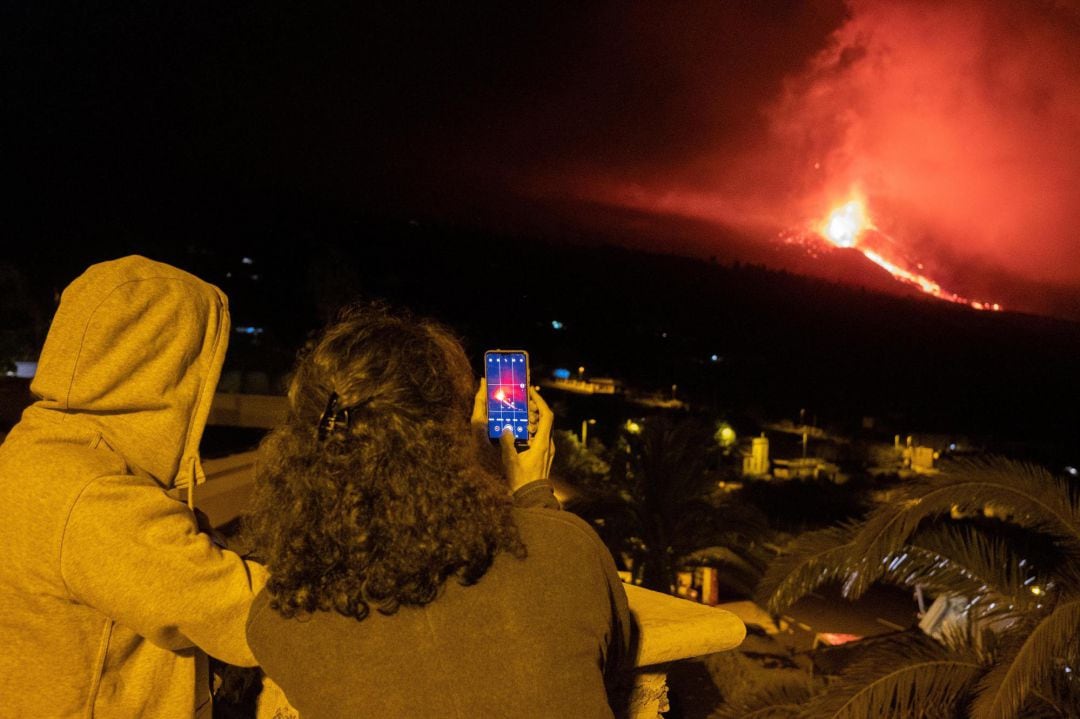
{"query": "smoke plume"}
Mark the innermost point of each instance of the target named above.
(959, 123)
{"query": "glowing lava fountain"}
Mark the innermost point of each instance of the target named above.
(849, 226)
(844, 224)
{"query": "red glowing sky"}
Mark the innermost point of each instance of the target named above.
(719, 128)
(958, 122)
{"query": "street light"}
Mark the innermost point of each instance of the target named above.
(585, 430)
(725, 435)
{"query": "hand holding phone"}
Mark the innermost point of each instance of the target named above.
(526, 456)
(534, 463)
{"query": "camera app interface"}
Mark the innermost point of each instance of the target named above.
(507, 387)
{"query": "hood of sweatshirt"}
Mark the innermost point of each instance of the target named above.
(136, 349)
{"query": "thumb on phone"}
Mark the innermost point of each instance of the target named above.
(508, 450)
(517, 473)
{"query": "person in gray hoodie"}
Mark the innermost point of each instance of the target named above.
(110, 596)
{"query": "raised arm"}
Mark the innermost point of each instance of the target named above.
(527, 472)
(136, 555)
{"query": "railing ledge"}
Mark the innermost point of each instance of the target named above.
(671, 628)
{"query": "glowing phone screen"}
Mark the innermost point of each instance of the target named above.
(507, 393)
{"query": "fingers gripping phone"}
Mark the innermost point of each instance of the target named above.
(507, 374)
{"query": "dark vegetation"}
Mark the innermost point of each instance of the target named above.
(801, 505)
(782, 342)
(997, 536)
(658, 508)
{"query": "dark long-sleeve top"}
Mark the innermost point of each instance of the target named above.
(545, 636)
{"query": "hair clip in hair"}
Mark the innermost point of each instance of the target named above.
(332, 417)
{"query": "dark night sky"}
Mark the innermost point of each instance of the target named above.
(703, 127)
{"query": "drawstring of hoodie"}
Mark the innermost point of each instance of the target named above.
(191, 484)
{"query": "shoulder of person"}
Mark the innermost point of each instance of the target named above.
(556, 522)
(260, 608)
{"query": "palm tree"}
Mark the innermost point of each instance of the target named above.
(1002, 535)
(659, 506)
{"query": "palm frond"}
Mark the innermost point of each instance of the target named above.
(811, 560)
(1040, 709)
(1030, 664)
(719, 557)
(1029, 496)
(964, 561)
(909, 676)
(985, 560)
(783, 701)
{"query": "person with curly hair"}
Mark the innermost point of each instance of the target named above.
(374, 495)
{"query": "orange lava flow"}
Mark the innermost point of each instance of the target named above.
(844, 227)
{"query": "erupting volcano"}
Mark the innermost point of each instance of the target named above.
(850, 226)
(938, 140)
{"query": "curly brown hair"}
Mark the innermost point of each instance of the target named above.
(386, 508)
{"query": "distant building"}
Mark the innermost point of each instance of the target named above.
(657, 401)
(596, 385)
(917, 458)
(922, 459)
(805, 468)
(756, 464)
(701, 584)
(759, 464)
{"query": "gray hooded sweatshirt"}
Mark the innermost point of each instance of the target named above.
(109, 594)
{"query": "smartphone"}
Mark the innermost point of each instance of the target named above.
(507, 374)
